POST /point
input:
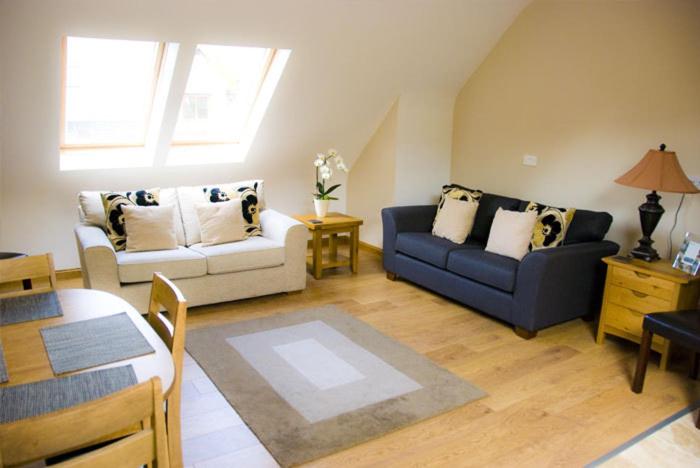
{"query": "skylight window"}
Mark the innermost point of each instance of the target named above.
(131, 103)
(108, 91)
(223, 85)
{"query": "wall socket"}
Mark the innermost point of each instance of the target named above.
(695, 180)
(529, 160)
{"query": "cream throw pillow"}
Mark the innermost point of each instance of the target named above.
(221, 222)
(511, 233)
(149, 228)
(455, 220)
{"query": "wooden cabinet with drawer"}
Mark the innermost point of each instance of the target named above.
(634, 288)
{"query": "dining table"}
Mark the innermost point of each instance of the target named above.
(26, 357)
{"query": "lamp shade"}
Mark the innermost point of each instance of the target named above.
(658, 170)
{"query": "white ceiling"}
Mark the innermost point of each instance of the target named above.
(351, 58)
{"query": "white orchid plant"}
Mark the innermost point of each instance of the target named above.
(324, 172)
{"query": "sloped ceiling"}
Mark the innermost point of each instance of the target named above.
(351, 59)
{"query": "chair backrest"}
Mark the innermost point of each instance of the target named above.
(57, 433)
(165, 295)
(28, 268)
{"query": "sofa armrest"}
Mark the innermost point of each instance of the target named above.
(294, 236)
(417, 218)
(98, 260)
(560, 284)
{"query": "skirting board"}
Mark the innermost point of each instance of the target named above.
(370, 248)
(72, 273)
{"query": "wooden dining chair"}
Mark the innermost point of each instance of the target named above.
(64, 431)
(27, 270)
(165, 295)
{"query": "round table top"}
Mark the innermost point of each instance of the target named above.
(26, 356)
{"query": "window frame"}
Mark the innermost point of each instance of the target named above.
(63, 146)
(269, 60)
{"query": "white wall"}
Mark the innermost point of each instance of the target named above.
(588, 87)
(371, 183)
(424, 147)
(349, 63)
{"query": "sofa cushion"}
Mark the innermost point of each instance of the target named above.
(428, 248)
(138, 267)
(551, 226)
(488, 205)
(250, 254)
(92, 210)
(188, 197)
(588, 226)
(485, 267)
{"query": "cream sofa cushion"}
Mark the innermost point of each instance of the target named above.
(138, 267)
(93, 212)
(250, 254)
(190, 197)
(455, 220)
(149, 228)
(220, 223)
(511, 232)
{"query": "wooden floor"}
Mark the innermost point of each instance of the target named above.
(680, 438)
(558, 399)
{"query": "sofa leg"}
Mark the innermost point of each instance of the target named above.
(525, 334)
(391, 276)
(589, 317)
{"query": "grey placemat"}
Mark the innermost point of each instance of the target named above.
(26, 308)
(37, 398)
(3, 366)
(90, 343)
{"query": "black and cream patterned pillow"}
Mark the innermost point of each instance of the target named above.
(551, 225)
(249, 203)
(114, 217)
(459, 193)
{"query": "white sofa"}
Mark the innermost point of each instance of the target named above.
(272, 263)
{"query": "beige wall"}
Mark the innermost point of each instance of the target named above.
(588, 87)
(371, 180)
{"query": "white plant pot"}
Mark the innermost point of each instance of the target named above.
(321, 207)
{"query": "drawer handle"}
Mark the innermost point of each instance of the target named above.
(638, 294)
(642, 275)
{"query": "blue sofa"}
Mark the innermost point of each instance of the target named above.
(547, 287)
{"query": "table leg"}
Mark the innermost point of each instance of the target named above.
(333, 247)
(317, 248)
(354, 249)
(665, 354)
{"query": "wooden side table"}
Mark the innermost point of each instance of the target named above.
(332, 225)
(634, 288)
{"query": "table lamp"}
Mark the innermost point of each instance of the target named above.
(658, 170)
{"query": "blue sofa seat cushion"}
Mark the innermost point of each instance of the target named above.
(430, 249)
(484, 267)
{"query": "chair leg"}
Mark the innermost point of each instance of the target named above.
(694, 365)
(697, 421)
(642, 361)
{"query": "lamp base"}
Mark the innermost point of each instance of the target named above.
(646, 253)
(649, 215)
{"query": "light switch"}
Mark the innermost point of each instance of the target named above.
(529, 160)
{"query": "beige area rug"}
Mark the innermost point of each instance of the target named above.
(316, 381)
